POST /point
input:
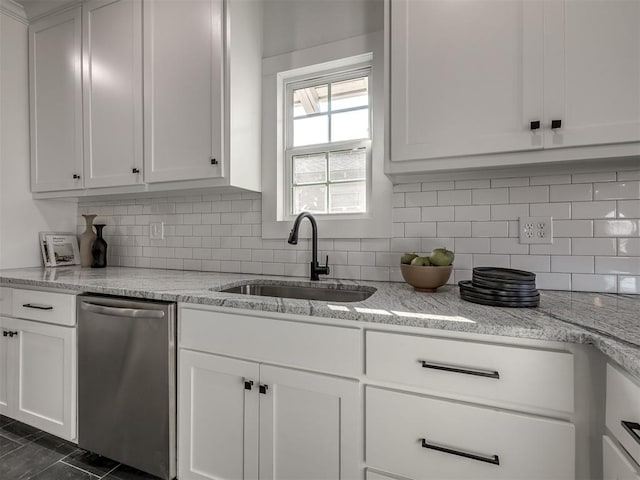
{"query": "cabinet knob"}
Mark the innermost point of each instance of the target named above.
(214, 161)
(248, 384)
(5, 333)
(263, 389)
(76, 176)
(135, 170)
(556, 124)
(535, 125)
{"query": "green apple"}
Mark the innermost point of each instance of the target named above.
(421, 262)
(407, 258)
(441, 257)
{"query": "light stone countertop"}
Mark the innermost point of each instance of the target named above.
(609, 322)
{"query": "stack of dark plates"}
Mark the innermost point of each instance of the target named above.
(501, 287)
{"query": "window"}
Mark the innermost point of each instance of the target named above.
(328, 142)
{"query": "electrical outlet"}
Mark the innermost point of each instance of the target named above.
(156, 231)
(536, 230)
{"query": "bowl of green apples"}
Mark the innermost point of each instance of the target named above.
(425, 273)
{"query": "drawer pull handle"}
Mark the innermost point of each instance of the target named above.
(632, 429)
(493, 459)
(37, 306)
(465, 371)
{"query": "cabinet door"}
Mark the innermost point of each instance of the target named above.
(112, 92)
(44, 390)
(616, 465)
(183, 80)
(466, 77)
(309, 426)
(217, 418)
(4, 369)
(592, 71)
(56, 102)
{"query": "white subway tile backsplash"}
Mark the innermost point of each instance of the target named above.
(538, 194)
(572, 264)
(509, 212)
(490, 229)
(421, 199)
(509, 182)
(581, 282)
(598, 209)
(531, 263)
(558, 211)
(617, 190)
(454, 197)
(593, 246)
(472, 212)
(477, 218)
(626, 265)
(628, 208)
(571, 193)
(490, 196)
(616, 228)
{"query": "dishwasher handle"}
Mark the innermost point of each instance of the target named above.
(121, 312)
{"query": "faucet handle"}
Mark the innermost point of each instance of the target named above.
(326, 265)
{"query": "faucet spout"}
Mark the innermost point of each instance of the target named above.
(316, 269)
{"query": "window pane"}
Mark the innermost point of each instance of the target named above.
(347, 197)
(310, 131)
(309, 169)
(350, 125)
(310, 100)
(350, 93)
(310, 199)
(348, 165)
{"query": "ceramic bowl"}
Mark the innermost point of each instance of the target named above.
(425, 279)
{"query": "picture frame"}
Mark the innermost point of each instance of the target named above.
(59, 249)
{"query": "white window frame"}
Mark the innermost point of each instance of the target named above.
(356, 70)
(277, 71)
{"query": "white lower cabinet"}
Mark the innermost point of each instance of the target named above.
(616, 464)
(243, 420)
(424, 438)
(38, 375)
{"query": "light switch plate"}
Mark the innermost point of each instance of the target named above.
(156, 231)
(536, 230)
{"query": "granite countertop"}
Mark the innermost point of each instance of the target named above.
(609, 322)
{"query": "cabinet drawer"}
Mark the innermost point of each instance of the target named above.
(520, 376)
(58, 308)
(423, 437)
(303, 345)
(623, 411)
(5, 301)
(615, 464)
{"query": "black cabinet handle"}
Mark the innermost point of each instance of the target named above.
(493, 459)
(556, 124)
(535, 124)
(5, 333)
(465, 371)
(135, 170)
(263, 389)
(633, 429)
(248, 384)
(37, 306)
(214, 161)
(76, 176)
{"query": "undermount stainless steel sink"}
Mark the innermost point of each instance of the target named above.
(327, 293)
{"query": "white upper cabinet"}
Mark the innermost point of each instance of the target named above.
(466, 77)
(512, 81)
(183, 76)
(56, 102)
(112, 49)
(592, 71)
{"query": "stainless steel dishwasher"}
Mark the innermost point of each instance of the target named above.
(127, 381)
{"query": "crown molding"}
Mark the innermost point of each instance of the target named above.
(14, 10)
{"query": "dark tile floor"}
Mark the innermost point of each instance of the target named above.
(27, 453)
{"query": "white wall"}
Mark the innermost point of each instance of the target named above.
(291, 25)
(21, 217)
